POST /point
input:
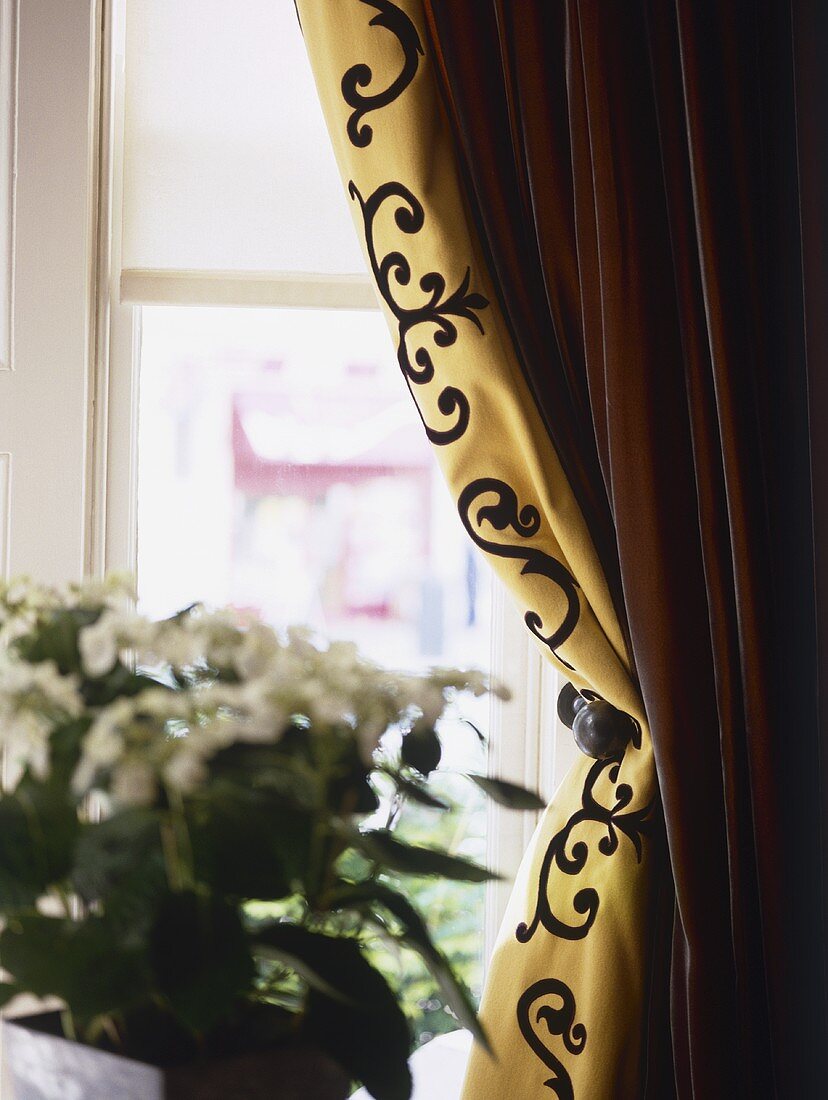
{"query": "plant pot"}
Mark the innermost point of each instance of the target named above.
(40, 1064)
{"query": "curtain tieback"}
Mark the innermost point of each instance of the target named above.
(600, 729)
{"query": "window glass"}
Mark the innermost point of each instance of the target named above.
(283, 470)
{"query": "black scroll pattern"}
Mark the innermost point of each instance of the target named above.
(504, 514)
(437, 315)
(360, 76)
(571, 858)
(488, 506)
(559, 1020)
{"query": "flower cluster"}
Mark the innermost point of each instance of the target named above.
(205, 682)
(34, 700)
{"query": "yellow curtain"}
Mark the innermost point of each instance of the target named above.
(565, 1003)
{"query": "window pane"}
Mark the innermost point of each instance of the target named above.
(284, 470)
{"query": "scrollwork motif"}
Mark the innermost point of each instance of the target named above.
(361, 76)
(559, 1019)
(440, 312)
(488, 506)
(525, 521)
(571, 860)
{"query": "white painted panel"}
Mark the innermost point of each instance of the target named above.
(43, 401)
(8, 102)
(5, 511)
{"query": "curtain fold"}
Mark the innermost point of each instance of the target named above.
(581, 920)
(683, 144)
(588, 222)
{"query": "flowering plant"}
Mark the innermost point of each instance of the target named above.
(161, 777)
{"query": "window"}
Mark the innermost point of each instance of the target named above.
(283, 471)
(185, 177)
(282, 467)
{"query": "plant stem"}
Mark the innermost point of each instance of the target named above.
(170, 851)
(68, 1024)
(176, 845)
(394, 809)
(184, 845)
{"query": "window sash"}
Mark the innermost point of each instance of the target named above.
(303, 290)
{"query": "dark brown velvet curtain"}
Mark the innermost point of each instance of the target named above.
(646, 179)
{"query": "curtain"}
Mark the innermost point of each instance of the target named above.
(588, 226)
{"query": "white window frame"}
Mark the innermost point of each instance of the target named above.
(96, 530)
(49, 83)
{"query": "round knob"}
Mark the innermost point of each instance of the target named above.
(570, 701)
(601, 730)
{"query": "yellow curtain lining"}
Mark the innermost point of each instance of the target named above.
(565, 1002)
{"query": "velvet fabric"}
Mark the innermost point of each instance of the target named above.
(645, 178)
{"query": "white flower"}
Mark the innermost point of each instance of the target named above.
(26, 738)
(300, 641)
(213, 735)
(17, 590)
(115, 630)
(263, 718)
(369, 730)
(134, 783)
(98, 645)
(162, 704)
(221, 637)
(327, 708)
(257, 652)
(432, 702)
(185, 770)
(116, 590)
(342, 655)
(166, 735)
(51, 905)
(174, 644)
(103, 744)
(34, 700)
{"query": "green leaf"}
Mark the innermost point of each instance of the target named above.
(366, 897)
(55, 638)
(120, 682)
(371, 1040)
(201, 958)
(65, 748)
(109, 847)
(411, 859)
(417, 792)
(38, 829)
(277, 769)
(22, 877)
(119, 864)
(249, 844)
(481, 736)
(82, 963)
(53, 821)
(303, 952)
(508, 794)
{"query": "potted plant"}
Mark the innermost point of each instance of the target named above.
(192, 854)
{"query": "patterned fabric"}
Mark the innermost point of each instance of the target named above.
(566, 999)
